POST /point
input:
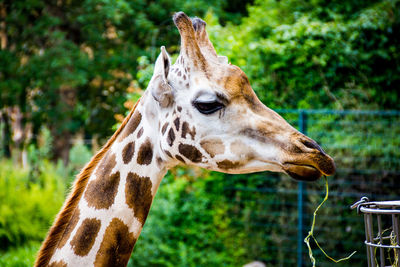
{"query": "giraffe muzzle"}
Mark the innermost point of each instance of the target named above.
(302, 172)
(310, 168)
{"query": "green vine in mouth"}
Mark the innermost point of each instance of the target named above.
(311, 233)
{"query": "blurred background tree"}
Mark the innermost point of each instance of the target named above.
(318, 54)
(69, 65)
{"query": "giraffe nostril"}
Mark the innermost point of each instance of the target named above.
(312, 144)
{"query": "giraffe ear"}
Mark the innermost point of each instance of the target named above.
(161, 90)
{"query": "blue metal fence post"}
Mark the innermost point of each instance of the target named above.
(300, 199)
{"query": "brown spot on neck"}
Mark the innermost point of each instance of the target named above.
(167, 153)
(127, 152)
(117, 245)
(101, 192)
(164, 128)
(140, 133)
(145, 154)
(171, 137)
(70, 227)
(85, 236)
(159, 161)
(180, 159)
(138, 195)
(106, 165)
(131, 125)
(190, 152)
(176, 122)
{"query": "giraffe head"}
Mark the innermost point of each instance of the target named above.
(209, 115)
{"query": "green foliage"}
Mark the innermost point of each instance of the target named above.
(28, 207)
(79, 156)
(67, 64)
(145, 71)
(317, 55)
(23, 256)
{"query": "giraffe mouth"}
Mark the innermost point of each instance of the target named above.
(302, 172)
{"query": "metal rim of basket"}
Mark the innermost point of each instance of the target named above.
(378, 208)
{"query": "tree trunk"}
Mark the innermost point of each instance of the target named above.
(6, 144)
(61, 146)
(62, 136)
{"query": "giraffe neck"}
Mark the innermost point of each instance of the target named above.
(115, 203)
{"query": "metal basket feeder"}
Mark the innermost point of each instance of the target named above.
(384, 248)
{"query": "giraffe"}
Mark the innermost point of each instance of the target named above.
(199, 111)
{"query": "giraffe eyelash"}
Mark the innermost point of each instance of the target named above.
(208, 107)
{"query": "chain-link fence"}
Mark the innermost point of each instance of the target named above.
(276, 212)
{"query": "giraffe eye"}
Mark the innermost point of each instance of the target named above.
(208, 107)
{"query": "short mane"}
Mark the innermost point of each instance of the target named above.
(63, 218)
